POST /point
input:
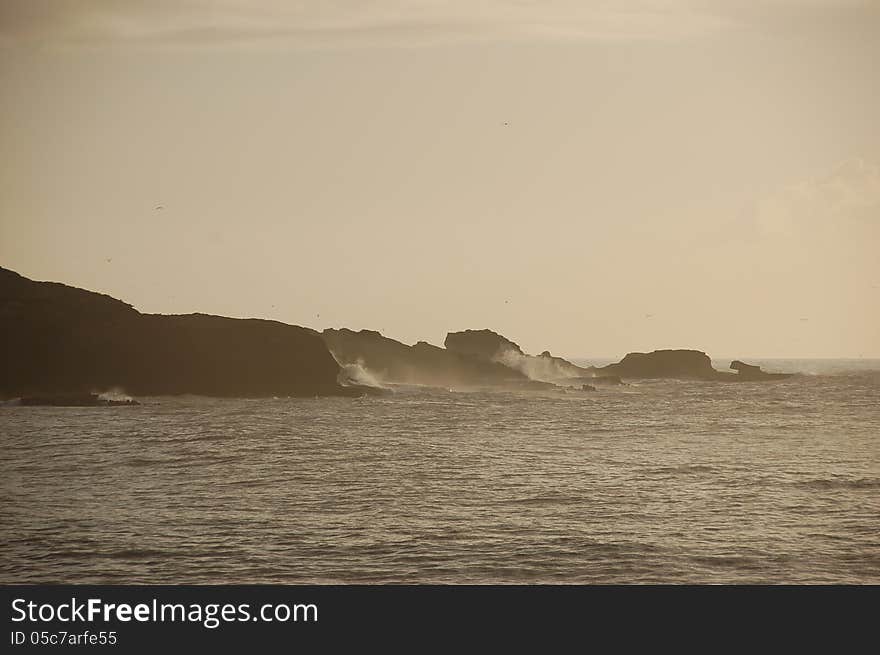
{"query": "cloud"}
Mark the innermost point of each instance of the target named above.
(846, 199)
(405, 21)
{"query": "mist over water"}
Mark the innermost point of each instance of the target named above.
(535, 368)
(659, 481)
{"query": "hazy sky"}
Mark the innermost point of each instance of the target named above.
(586, 177)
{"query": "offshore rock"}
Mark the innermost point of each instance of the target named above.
(754, 373)
(693, 364)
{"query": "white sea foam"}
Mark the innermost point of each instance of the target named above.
(542, 369)
(115, 394)
(358, 373)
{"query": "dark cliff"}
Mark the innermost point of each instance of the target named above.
(56, 338)
(423, 363)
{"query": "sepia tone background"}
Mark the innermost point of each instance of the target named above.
(577, 176)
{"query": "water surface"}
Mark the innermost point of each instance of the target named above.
(661, 481)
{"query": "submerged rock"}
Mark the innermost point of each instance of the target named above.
(74, 400)
(607, 379)
(602, 380)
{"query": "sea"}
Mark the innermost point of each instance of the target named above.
(659, 481)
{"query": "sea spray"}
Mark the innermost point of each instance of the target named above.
(358, 373)
(542, 369)
(115, 394)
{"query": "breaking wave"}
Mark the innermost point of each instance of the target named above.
(357, 373)
(115, 394)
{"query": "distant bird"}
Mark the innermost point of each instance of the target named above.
(109, 259)
(506, 301)
(506, 124)
(158, 207)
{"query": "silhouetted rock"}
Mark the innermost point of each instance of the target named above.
(492, 347)
(55, 338)
(484, 344)
(754, 373)
(744, 369)
(663, 364)
(683, 364)
(394, 362)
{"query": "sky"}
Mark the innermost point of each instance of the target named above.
(591, 178)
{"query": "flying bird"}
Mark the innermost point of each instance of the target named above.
(158, 207)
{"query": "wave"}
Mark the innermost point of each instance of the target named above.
(358, 374)
(115, 394)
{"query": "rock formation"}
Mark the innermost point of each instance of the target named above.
(56, 339)
(395, 362)
(484, 344)
(60, 339)
(684, 364)
(492, 347)
(663, 364)
(749, 372)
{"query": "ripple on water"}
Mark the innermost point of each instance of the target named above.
(658, 482)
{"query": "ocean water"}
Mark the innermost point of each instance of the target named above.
(660, 481)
